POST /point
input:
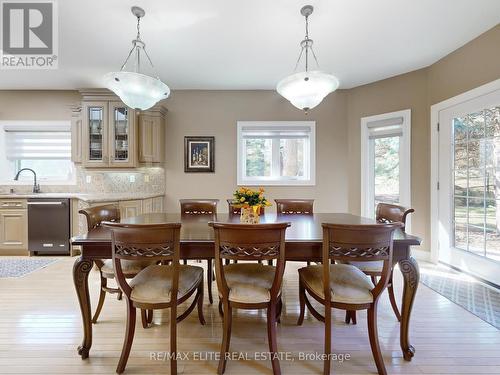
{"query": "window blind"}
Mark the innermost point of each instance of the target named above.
(282, 132)
(392, 127)
(46, 145)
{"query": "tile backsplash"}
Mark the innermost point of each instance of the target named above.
(145, 180)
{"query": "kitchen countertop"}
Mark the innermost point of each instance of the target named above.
(89, 198)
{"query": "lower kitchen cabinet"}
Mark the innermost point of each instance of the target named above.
(152, 205)
(157, 204)
(13, 230)
(130, 208)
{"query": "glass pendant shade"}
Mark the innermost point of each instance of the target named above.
(305, 90)
(136, 90)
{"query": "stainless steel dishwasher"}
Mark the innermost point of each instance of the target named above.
(48, 226)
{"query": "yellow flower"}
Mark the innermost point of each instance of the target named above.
(242, 199)
(242, 190)
(268, 203)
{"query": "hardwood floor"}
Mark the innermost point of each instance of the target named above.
(40, 329)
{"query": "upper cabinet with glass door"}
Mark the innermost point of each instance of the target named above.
(109, 135)
(122, 137)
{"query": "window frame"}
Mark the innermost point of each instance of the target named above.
(20, 125)
(310, 167)
(367, 162)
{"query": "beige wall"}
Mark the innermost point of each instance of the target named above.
(470, 66)
(408, 91)
(473, 65)
(37, 104)
(215, 113)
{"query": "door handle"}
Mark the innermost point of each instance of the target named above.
(45, 203)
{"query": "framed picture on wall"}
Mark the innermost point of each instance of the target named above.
(199, 154)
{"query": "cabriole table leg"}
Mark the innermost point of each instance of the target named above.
(81, 271)
(411, 276)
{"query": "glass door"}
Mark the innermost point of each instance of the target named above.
(95, 132)
(122, 135)
(469, 195)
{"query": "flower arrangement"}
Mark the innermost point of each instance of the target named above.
(245, 197)
(250, 202)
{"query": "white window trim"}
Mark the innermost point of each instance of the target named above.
(241, 180)
(434, 134)
(367, 183)
(53, 125)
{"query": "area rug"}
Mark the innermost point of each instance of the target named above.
(22, 267)
(476, 297)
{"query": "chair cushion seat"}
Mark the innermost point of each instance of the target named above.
(372, 266)
(348, 284)
(249, 282)
(130, 268)
(154, 283)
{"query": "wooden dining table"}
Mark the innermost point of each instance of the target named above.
(303, 243)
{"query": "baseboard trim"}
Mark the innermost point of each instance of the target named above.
(421, 254)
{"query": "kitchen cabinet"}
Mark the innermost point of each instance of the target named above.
(130, 208)
(147, 206)
(152, 205)
(13, 226)
(152, 135)
(157, 204)
(108, 135)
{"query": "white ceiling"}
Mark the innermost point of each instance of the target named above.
(252, 44)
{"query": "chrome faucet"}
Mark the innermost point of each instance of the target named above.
(36, 187)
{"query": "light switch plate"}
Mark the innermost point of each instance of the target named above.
(88, 179)
(131, 178)
(146, 178)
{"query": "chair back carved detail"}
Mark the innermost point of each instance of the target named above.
(207, 207)
(294, 206)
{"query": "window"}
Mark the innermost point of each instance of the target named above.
(385, 171)
(276, 153)
(43, 147)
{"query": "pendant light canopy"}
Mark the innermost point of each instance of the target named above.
(305, 90)
(137, 90)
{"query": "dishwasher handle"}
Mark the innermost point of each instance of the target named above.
(45, 203)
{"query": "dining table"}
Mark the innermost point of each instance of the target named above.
(303, 243)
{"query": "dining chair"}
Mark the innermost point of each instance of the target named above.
(295, 207)
(198, 208)
(385, 213)
(343, 285)
(95, 216)
(250, 285)
(158, 286)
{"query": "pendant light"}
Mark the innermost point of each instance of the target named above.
(306, 89)
(137, 90)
